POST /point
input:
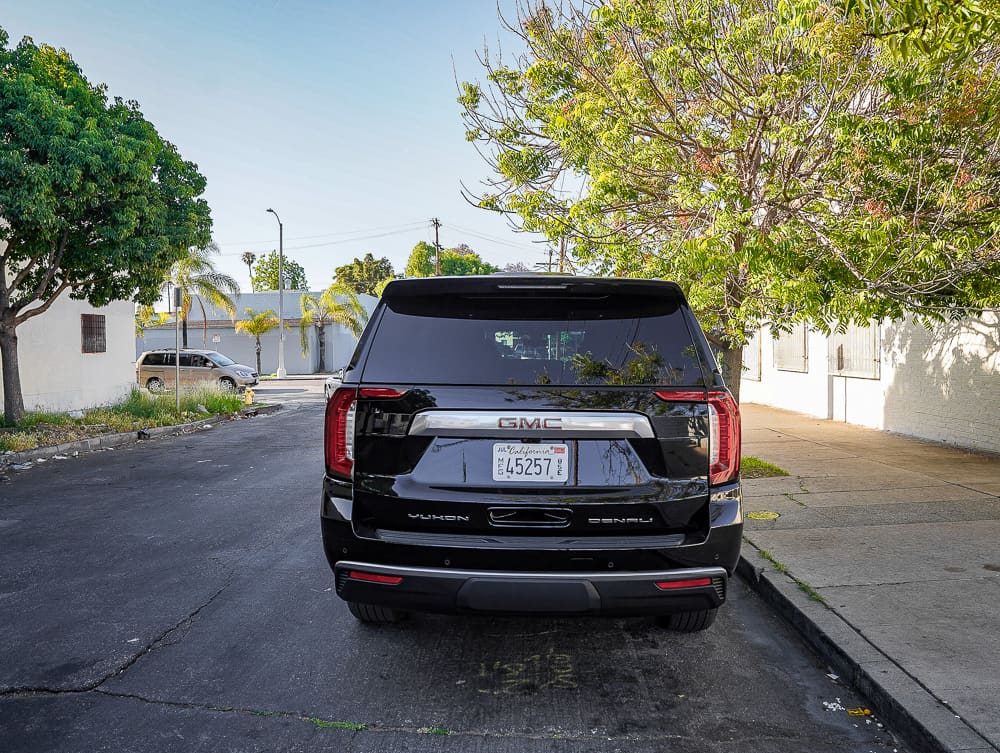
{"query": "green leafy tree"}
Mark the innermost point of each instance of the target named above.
(249, 257)
(256, 325)
(94, 203)
(460, 261)
(195, 274)
(773, 156)
(265, 275)
(363, 275)
(338, 304)
(146, 316)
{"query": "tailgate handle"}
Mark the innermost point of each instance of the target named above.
(529, 517)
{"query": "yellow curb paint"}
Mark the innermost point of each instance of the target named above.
(763, 515)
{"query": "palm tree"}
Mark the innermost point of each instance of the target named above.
(256, 325)
(249, 257)
(318, 311)
(196, 276)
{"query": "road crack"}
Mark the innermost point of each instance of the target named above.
(164, 638)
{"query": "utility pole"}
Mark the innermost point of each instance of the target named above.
(562, 254)
(437, 247)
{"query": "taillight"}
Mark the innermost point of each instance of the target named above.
(382, 392)
(724, 431)
(389, 580)
(340, 412)
(724, 442)
(666, 585)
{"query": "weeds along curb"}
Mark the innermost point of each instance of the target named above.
(912, 711)
(109, 441)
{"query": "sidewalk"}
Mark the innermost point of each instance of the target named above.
(901, 540)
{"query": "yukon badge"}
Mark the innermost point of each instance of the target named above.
(430, 516)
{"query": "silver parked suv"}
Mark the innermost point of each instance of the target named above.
(156, 369)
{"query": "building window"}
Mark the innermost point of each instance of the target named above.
(93, 333)
(790, 350)
(856, 352)
(751, 358)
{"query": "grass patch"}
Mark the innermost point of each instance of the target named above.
(751, 467)
(323, 724)
(434, 731)
(804, 587)
(140, 410)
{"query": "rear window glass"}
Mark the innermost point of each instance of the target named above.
(558, 341)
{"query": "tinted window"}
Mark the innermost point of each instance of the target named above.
(220, 359)
(534, 341)
(153, 359)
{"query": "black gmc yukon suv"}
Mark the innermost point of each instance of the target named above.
(533, 444)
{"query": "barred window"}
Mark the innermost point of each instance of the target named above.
(790, 351)
(856, 352)
(93, 333)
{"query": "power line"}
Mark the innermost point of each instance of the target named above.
(334, 242)
(402, 226)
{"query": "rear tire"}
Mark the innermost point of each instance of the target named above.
(227, 384)
(376, 615)
(688, 622)
(154, 385)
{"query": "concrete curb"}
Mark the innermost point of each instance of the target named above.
(912, 711)
(110, 441)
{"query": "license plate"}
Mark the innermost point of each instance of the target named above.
(530, 462)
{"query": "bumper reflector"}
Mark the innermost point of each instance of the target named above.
(666, 585)
(389, 580)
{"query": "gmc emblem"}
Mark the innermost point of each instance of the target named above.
(529, 423)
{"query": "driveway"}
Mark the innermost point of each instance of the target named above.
(173, 596)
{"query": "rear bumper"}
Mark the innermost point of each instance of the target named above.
(430, 589)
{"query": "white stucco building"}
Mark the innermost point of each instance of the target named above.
(76, 356)
(941, 383)
(222, 336)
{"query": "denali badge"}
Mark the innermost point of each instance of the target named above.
(514, 422)
(619, 521)
(450, 518)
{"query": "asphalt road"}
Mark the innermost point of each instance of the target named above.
(173, 596)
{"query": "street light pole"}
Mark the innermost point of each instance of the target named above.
(281, 296)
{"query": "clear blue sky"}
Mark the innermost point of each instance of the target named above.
(341, 115)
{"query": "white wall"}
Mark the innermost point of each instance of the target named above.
(57, 376)
(340, 342)
(941, 383)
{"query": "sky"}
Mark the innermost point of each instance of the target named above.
(340, 115)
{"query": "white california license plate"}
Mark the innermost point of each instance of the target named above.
(530, 462)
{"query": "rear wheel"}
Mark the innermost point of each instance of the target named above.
(154, 385)
(376, 615)
(227, 384)
(688, 622)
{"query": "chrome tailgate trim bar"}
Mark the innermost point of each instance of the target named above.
(553, 424)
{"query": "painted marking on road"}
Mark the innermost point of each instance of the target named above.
(548, 671)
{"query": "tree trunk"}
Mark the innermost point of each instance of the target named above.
(13, 399)
(320, 330)
(258, 355)
(732, 369)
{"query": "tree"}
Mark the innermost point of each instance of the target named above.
(772, 156)
(364, 275)
(517, 266)
(265, 276)
(249, 257)
(256, 325)
(94, 203)
(146, 316)
(461, 261)
(337, 304)
(195, 274)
